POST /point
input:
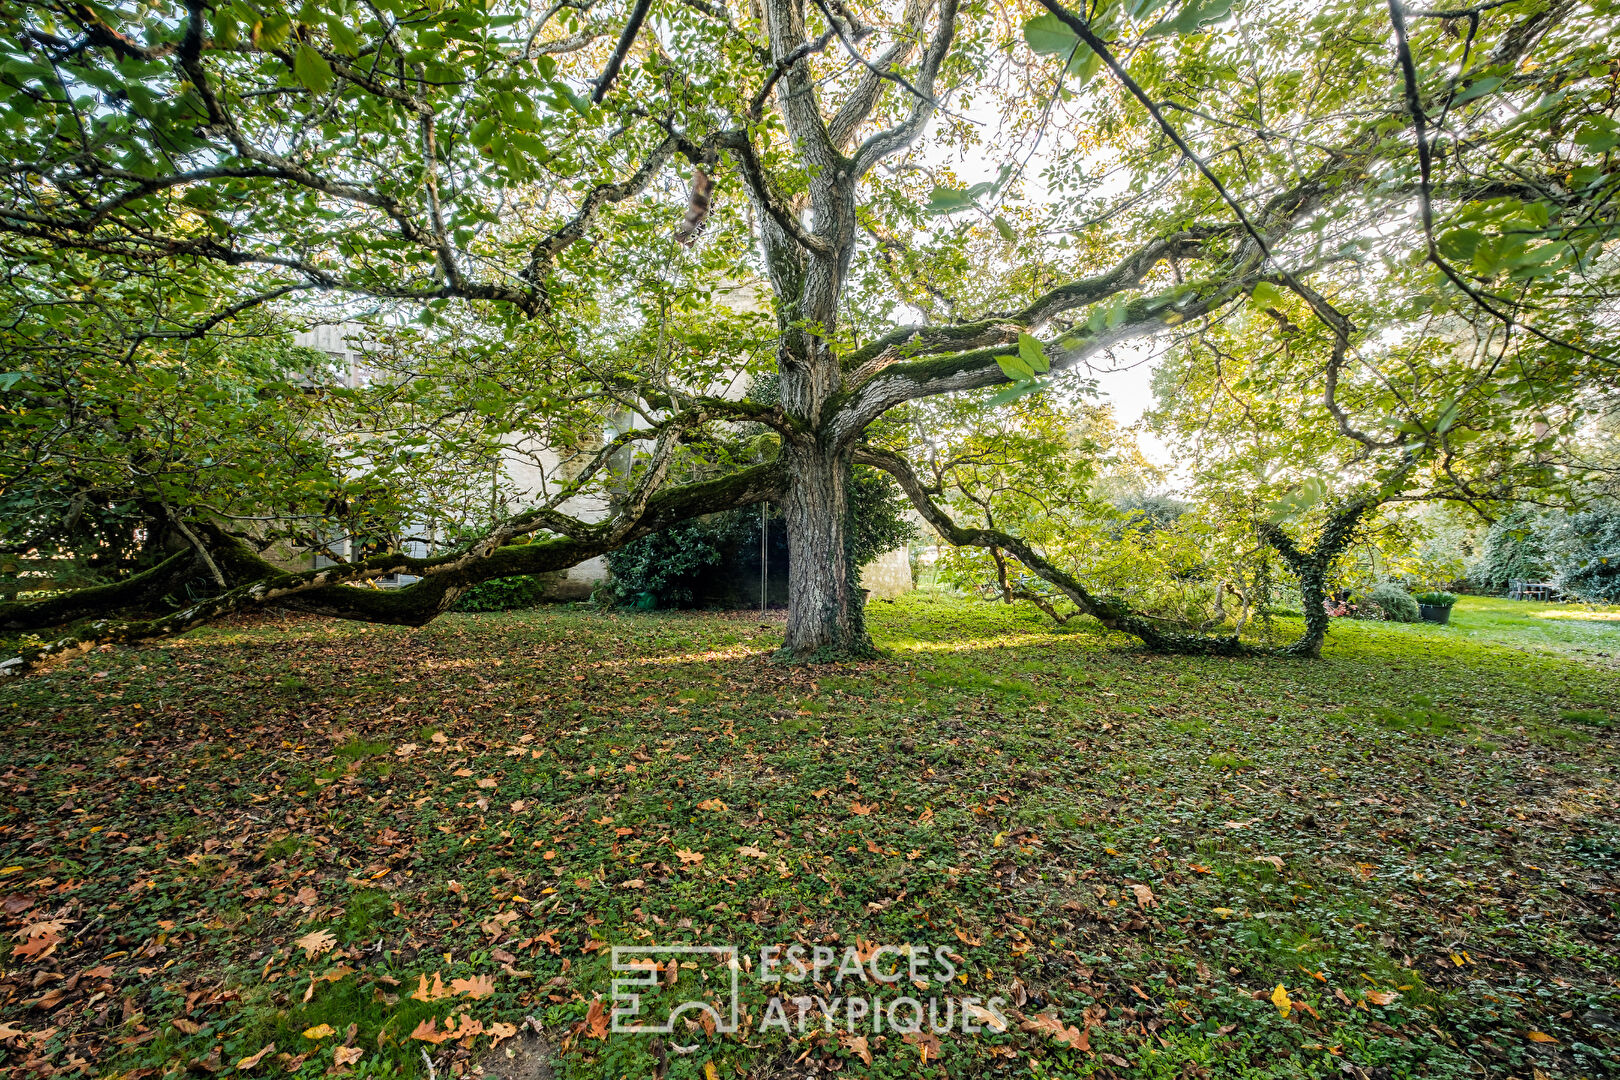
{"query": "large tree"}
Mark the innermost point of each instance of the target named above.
(1360, 172)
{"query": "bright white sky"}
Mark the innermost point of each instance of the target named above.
(1124, 378)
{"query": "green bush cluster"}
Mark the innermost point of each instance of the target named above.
(1587, 550)
(1435, 599)
(1579, 552)
(668, 568)
(506, 594)
(1396, 602)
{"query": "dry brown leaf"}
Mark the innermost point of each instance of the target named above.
(316, 943)
(688, 857)
(1070, 1035)
(926, 1042)
(856, 1044)
(320, 1031)
(1381, 997)
(189, 1027)
(424, 992)
(38, 947)
(347, 1055)
(711, 804)
(488, 782)
(41, 929)
(752, 852)
(479, 986)
(984, 1016)
(500, 1032)
(469, 1027)
(1539, 1036)
(1144, 896)
(596, 1021)
(1274, 860)
(249, 1062)
(428, 1031)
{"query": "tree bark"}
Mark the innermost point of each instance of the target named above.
(1312, 575)
(826, 618)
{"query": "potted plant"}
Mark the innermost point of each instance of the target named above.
(1435, 607)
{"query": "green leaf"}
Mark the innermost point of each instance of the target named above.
(1304, 495)
(343, 38)
(1033, 354)
(1193, 15)
(1016, 368)
(1117, 313)
(1265, 294)
(1598, 137)
(1477, 88)
(1460, 244)
(1448, 415)
(1016, 391)
(944, 200)
(311, 69)
(580, 102)
(1004, 229)
(1084, 64)
(1047, 35)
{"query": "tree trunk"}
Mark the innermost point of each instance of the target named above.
(1312, 575)
(826, 618)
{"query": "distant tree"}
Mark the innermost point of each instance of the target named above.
(1584, 550)
(1515, 550)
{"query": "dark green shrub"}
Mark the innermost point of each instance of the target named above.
(506, 593)
(1515, 550)
(687, 564)
(666, 568)
(1585, 551)
(879, 509)
(1396, 602)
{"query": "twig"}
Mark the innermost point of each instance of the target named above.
(638, 14)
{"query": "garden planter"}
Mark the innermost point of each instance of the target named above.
(1434, 614)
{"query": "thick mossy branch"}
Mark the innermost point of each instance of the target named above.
(136, 592)
(1110, 611)
(330, 590)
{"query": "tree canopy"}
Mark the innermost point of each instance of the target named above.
(1377, 242)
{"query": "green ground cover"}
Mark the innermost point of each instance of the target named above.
(1398, 861)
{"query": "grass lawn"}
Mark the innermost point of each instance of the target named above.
(291, 846)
